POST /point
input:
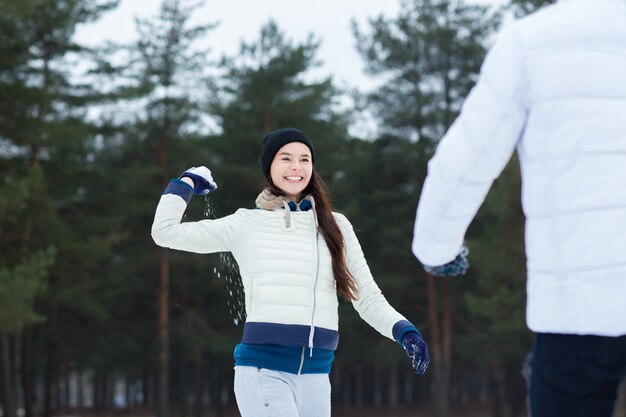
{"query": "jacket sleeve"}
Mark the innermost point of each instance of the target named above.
(372, 306)
(205, 236)
(472, 153)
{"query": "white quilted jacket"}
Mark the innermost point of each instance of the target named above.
(554, 87)
(283, 282)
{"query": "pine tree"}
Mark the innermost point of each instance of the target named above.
(45, 146)
(159, 85)
(265, 88)
(20, 282)
(430, 55)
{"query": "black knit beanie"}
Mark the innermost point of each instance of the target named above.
(276, 139)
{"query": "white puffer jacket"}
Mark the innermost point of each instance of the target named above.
(286, 271)
(554, 86)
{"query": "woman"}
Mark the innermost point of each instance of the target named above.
(295, 257)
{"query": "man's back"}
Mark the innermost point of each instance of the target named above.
(554, 87)
(573, 156)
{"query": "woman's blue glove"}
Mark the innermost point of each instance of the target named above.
(458, 266)
(417, 350)
(202, 180)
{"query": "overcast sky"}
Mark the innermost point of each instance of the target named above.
(239, 20)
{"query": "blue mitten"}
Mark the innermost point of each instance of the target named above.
(202, 180)
(417, 350)
(458, 266)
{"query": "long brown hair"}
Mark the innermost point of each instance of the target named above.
(347, 286)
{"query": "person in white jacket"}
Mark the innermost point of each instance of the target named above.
(553, 87)
(295, 257)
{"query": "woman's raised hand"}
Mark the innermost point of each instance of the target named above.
(203, 182)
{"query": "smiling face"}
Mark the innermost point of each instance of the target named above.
(291, 169)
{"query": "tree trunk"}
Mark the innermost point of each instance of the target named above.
(440, 345)
(198, 406)
(358, 386)
(394, 387)
(80, 393)
(185, 370)
(164, 293)
(66, 383)
(181, 400)
(129, 401)
(146, 387)
(111, 391)
(198, 371)
(407, 379)
(26, 370)
(219, 385)
(8, 395)
(164, 338)
(104, 391)
(48, 377)
(96, 391)
(498, 387)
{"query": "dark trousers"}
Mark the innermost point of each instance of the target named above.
(576, 376)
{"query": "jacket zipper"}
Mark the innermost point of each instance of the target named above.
(317, 270)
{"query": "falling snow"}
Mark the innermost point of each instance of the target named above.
(229, 270)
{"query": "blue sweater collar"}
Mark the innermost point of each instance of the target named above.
(304, 204)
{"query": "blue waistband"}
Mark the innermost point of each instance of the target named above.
(284, 358)
(291, 335)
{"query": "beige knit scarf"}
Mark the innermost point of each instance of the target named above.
(269, 201)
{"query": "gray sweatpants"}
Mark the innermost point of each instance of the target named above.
(265, 393)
